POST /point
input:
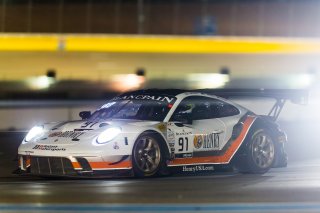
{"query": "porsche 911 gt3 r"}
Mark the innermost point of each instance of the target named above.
(154, 132)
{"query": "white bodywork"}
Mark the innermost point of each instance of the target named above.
(77, 139)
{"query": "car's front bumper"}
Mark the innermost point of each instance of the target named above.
(74, 166)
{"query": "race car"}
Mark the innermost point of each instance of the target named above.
(155, 132)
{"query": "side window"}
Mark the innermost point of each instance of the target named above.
(219, 109)
(201, 108)
(183, 111)
(192, 108)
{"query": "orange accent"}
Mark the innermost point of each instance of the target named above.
(106, 165)
(226, 157)
(28, 161)
(76, 165)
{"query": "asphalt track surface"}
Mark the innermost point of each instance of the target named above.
(292, 189)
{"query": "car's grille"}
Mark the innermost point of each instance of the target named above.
(51, 166)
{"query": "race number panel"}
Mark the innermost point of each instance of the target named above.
(180, 138)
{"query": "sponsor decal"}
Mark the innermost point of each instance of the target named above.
(184, 155)
(48, 148)
(170, 135)
(170, 138)
(199, 168)
(197, 141)
(183, 133)
(207, 141)
(67, 134)
(54, 134)
(116, 146)
(171, 142)
(187, 155)
(211, 141)
(88, 124)
(146, 97)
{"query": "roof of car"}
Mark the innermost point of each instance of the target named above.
(296, 96)
(169, 92)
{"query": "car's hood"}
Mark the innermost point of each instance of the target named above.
(90, 125)
(81, 131)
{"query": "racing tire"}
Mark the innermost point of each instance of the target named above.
(281, 159)
(148, 156)
(260, 153)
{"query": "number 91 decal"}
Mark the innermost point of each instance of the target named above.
(183, 143)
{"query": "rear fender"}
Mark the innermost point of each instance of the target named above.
(278, 136)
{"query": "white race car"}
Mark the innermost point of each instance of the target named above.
(155, 132)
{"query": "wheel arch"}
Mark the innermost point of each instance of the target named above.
(262, 123)
(266, 125)
(159, 136)
(162, 166)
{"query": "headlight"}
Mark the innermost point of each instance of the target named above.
(34, 132)
(108, 135)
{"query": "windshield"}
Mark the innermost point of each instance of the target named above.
(132, 109)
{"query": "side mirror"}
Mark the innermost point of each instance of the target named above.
(85, 115)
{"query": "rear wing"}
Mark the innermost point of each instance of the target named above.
(296, 96)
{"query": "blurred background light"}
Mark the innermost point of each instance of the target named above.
(304, 80)
(207, 80)
(124, 82)
(40, 82)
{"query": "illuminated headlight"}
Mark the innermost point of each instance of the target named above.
(34, 132)
(108, 135)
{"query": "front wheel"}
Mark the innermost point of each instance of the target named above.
(148, 158)
(260, 152)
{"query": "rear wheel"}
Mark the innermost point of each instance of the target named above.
(148, 157)
(260, 152)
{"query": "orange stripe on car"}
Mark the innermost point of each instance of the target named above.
(105, 165)
(109, 165)
(28, 161)
(76, 165)
(226, 157)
